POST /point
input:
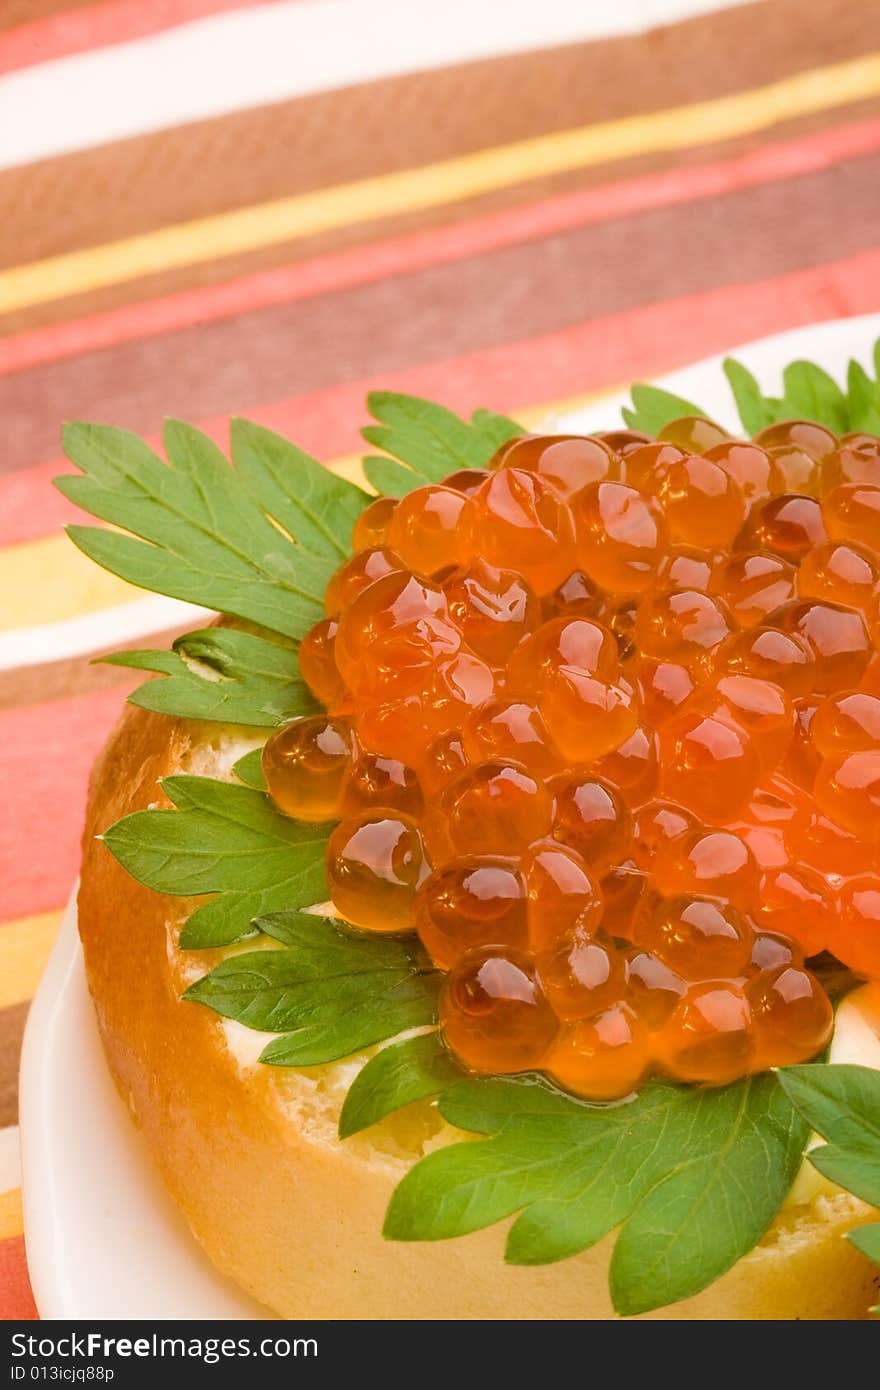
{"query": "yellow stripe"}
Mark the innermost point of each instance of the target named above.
(49, 580)
(11, 1219)
(435, 185)
(24, 949)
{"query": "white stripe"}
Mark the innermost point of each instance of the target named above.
(94, 632)
(10, 1160)
(268, 54)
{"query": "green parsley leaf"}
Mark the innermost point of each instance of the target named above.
(754, 408)
(428, 437)
(219, 673)
(693, 1177)
(842, 1103)
(863, 400)
(811, 394)
(390, 478)
(808, 393)
(739, 1152)
(867, 1239)
(429, 440)
(317, 508)
(328, 991)
(203, 536)
(222, 839)
(498, 428)
(414, 1069)
(653, 408)
(249, 770)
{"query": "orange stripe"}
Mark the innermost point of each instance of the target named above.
(367, 264)
(16, 1298)
(98, 26)
(591, 356)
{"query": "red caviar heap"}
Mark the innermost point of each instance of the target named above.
(603, 727)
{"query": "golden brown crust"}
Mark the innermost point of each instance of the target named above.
(290, 1212)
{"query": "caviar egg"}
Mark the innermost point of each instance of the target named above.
(582, 975)
(620, 535)
(317, 662)
(707, 764)
(757, 474)
(708, 1037)
(792, 1016)
(698, 937)
(375, 863)
(754, 584)
(603, 1058)
(494, 808)
(702, 504)
(371, 528)
(694, 433)
(305, 764)
(518, 519)
(592, 818)
(474, 901)
(788, 526)
(653, 989)
(357, 574)
(493, 1013)
(493, 608)
(423, 529)
(511, 729)
(561, 893)
(569, 462)
(386, 782)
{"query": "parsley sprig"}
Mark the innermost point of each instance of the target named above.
(809, 393)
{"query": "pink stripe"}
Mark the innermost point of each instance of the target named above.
(99, 26)
(46, 753)
(366, 264)
(602, 353)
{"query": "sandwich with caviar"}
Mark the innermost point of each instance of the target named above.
(482, 914)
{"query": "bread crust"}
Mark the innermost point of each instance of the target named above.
(282, 1206)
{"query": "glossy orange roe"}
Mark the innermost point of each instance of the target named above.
(603, 728)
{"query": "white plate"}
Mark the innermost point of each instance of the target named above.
(103, 1239)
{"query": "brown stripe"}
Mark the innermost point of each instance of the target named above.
(57, 680)
(15, 12)
(214, 271)
(520, 292)
(12, 1022)
(250, 157)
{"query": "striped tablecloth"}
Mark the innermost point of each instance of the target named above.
(211, 207)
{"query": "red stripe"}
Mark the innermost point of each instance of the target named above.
(16, 1299)
(590, 356)
(46, 753)
(367, 264)
(99, 26)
